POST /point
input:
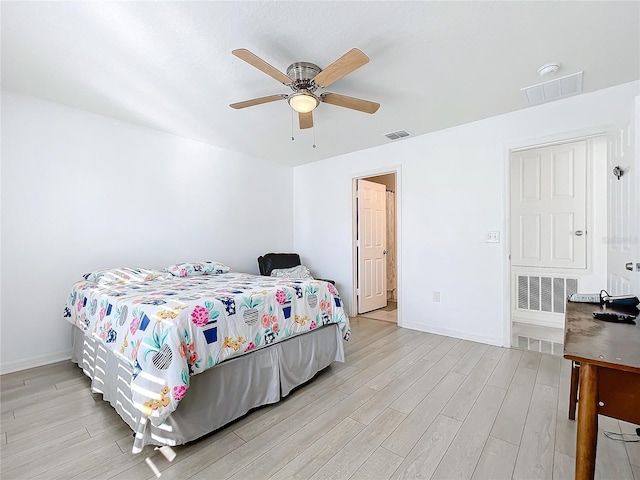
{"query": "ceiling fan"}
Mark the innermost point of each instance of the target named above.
(304, 79)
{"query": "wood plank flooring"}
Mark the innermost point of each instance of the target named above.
(405, 404)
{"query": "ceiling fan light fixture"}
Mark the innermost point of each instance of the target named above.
(303, 102)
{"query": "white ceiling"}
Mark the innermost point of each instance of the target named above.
(433, 65)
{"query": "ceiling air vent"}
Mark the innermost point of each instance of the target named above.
(553, 89)
(397, 135)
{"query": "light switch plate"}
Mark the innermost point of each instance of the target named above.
(493, 237)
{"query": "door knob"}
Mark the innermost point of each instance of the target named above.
(579, 233)
(629, 266)
(384, 252)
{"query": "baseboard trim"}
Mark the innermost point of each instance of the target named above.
(26, 363)
(455, 334)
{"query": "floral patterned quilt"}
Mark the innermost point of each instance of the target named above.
(169, 328)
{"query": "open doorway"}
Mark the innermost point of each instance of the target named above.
(557, 220)
(375, 247)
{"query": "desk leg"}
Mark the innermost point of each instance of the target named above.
(587, 422)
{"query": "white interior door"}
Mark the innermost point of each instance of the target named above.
(548, 206)
(371, 246)
(623, 249)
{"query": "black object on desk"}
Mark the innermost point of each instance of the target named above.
(622, 301)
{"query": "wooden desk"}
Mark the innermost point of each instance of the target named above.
(609, 356)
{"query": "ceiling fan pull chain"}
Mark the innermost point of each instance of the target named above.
(292, 120)
(314, 135)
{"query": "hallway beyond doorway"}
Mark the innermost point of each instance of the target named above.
(386, 314)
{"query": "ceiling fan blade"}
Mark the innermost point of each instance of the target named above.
(350, 102)
(251, 59)
(306, 120)
(257, 101)
(346, 64)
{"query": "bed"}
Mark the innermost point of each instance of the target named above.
(181, 352)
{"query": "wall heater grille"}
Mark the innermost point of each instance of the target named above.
(544, 294)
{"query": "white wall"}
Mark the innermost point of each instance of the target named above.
(82, 191)
(451, 191)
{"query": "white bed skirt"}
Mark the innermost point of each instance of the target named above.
(218, 395)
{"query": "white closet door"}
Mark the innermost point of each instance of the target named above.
(548, 206)
(623, 247)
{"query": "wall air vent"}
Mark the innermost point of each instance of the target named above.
(397, 135)
(544, 294)
(553, 89)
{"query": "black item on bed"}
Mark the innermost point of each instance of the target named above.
(272, 261)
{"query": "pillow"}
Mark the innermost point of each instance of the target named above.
(299, 271)
(123, 274)
(197, 268)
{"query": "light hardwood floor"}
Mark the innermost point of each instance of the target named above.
(405, 404)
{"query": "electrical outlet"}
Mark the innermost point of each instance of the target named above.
(436, 296)
(493, 237)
